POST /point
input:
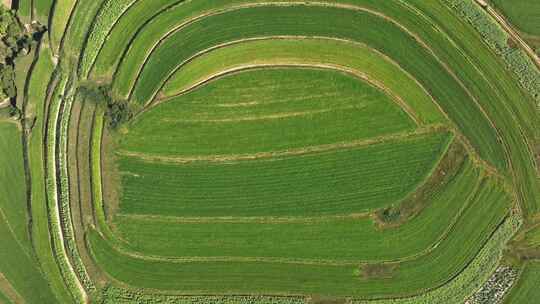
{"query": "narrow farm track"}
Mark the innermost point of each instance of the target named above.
(232, 152)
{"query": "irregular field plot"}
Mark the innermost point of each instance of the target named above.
(332, 182)
(303, 238)
(266, 110)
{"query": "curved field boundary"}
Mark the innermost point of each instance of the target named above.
(459, 288)
(39, 92)
(79, 26)
(123, 32)
(60, 18)
(459, 94)
(508, 28)
(520, 66)
(54, 193)
(110, 10)
(496, 96)
(453, 292)
(352, 72)
(65, 203)
(508, 137)
(106, 258)
(277, 154)
(343, 55)
(139, 230)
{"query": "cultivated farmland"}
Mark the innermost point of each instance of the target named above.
(269, 152)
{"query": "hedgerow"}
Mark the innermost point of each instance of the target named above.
(115, 295)
(65, 210)
(52, 183)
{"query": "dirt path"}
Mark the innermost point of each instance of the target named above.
(9, 291)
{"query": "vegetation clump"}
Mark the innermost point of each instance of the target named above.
(15, 40)
(117, 111)
(447, 169)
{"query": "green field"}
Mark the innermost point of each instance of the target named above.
(17, 262)
(525, 16)
(246, 151)
(330, 182)
(526, 289)
(300, 237)
(269, 110)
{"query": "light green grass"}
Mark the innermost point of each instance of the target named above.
(266, 110)
(450, 257)
(526, 288)
(20, 268)
(43, 10)
(17, 262)
(319, 238)
(307, 51)
(12, 182)
(59, 21)
(333, 182)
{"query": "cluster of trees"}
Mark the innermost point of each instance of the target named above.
(117, 111)
(16, 40)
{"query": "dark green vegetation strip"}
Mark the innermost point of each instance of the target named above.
(266, 110)
(526, 289)
(318, 238)
(17, 262)
(333, 182)
(486, 212)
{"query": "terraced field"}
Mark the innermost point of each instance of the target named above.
(287, 152)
